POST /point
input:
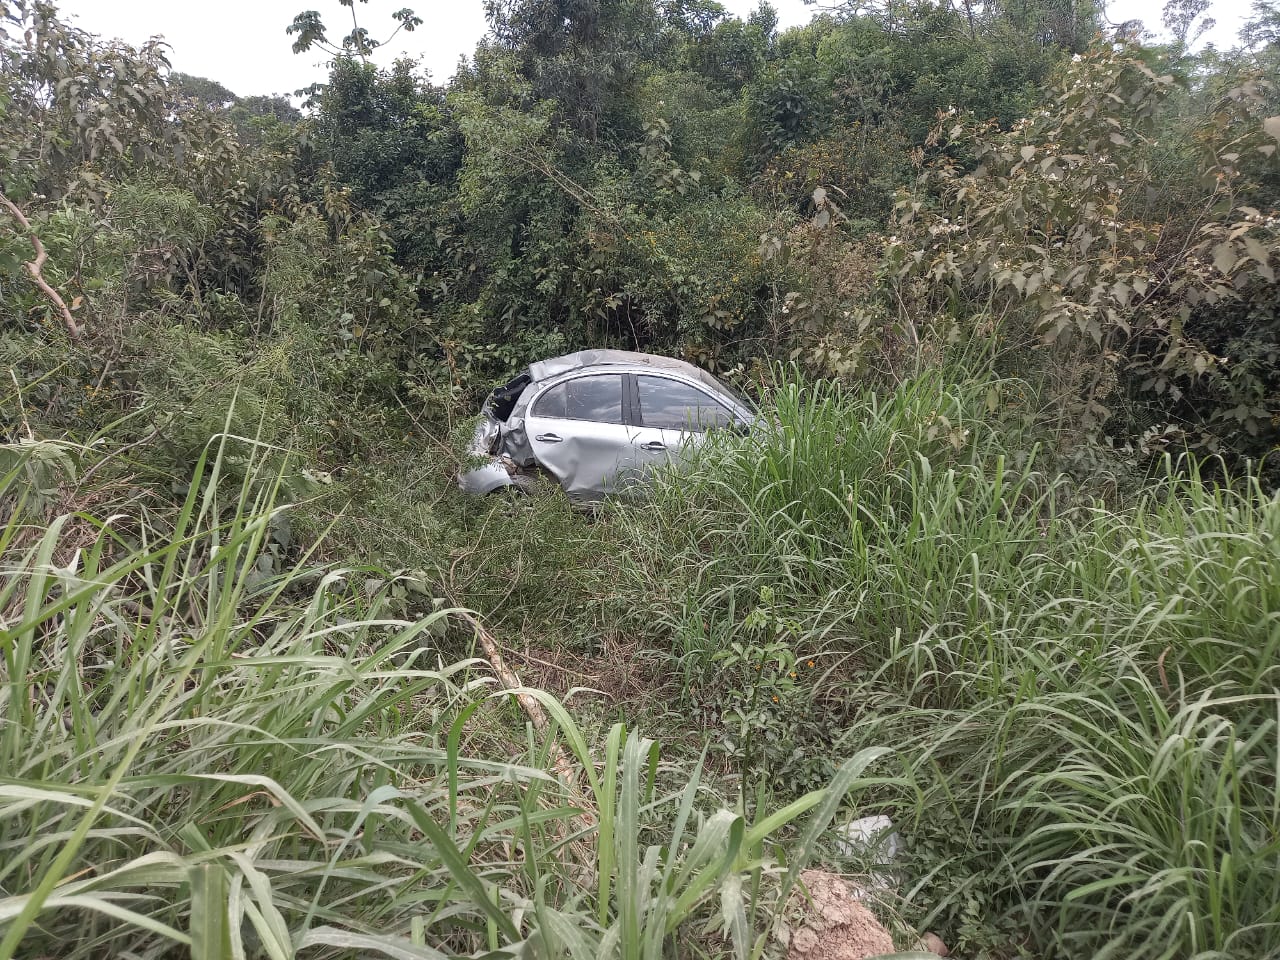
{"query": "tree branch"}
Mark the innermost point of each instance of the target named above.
(34, 267)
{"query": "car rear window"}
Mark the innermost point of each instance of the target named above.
(672, 405)
(598, 399)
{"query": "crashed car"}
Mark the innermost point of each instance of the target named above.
(597, 422)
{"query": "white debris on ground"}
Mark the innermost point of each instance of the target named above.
(873, 842)
(870, 837)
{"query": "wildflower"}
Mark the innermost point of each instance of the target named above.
(809, 664)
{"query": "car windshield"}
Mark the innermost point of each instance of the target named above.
(745, 401)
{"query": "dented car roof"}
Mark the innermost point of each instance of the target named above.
(546, 369)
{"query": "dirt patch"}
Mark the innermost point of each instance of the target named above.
(617, 668)
(832, 924)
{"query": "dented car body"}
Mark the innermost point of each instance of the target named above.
(597, 421)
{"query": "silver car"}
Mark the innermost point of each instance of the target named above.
(597, 421)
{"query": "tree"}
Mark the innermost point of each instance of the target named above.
(383, 128)
(1180, 19)
(1262, 30)
(209, 92)
(309, 31)
(1053, 223)
(70, 99)
(581, 54)
(733, 53)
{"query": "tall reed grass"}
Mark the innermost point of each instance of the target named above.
(1086, 691)
(207, 750)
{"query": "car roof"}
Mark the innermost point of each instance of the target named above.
(557, 366)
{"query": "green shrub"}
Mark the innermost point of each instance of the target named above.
(208, 748)
(1084, 690)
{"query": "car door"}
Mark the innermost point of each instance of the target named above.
(577, 431)
(671, 417)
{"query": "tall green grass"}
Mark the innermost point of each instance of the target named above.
(206, 749)
(1086, 691)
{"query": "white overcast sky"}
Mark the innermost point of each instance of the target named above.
(242, 43)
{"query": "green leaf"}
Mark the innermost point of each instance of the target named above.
(365, 944)
(1224, 258)
(849, 775)
(452, 747)
(210, 933)
(1257, 251)
(461, 871)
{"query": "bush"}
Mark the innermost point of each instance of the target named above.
(212, 748)
(1084, 690)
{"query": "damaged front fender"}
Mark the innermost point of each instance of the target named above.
(487, 478)
(494, 472)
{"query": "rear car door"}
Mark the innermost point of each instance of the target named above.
(577, 430)
(671, 417)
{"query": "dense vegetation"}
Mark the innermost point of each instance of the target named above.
(1001, 562)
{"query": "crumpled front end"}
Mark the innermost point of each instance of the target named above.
(493, 474)
(503, 447)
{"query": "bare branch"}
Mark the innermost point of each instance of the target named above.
(34, 267)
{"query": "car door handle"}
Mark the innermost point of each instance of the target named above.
(549, 438)
(654, 445)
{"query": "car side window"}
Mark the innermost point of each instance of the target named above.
(672, 405)
(598, 399)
